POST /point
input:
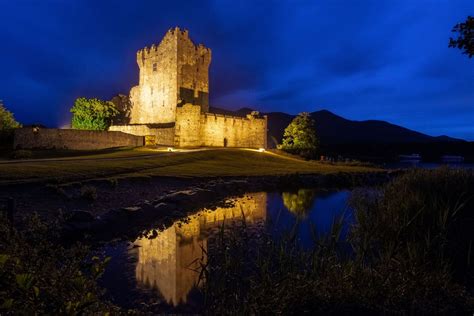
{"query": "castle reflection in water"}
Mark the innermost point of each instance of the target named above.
(170, 262)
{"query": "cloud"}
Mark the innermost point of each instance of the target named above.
(361, 59)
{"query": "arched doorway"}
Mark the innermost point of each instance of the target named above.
(225, 142)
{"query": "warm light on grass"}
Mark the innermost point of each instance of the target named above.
(207, 163)
(261, 150)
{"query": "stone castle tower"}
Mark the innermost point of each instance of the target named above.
(170, 105)
(171, 74)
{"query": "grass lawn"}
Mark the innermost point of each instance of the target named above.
(145, 163)
(6, 154)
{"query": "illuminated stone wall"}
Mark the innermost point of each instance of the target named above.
(163, 135)
(174, 89)
(221, 130)
(188, 126)
(193, 72)
(166, 263)
(171, 73)
(51, 138)
(194, 129)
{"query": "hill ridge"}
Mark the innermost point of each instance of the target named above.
(335, 129)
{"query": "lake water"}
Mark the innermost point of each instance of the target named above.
(162, 270)
(426, 165)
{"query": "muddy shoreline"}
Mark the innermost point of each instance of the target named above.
(186, 197)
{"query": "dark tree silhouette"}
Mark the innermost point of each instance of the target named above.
(465, 36)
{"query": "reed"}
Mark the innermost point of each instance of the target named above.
(408, 252)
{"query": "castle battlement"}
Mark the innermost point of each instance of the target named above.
(173, 91)
(251, 116)
(170, 36)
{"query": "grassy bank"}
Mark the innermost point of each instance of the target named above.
(411, 253)
(124, 164)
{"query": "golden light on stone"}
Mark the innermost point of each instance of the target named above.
(171, 100)
(170, 262)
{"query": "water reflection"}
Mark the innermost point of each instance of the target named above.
(299, 202)
(169, 262)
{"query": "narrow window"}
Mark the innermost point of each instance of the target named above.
(155, 67)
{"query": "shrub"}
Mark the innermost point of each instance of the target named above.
(7, 125)
(39, 275)
(22, 154)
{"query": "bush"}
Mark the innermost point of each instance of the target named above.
(22, 154)
(38, 275)
(7, 126)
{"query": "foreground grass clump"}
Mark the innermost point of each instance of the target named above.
(38, 275)
(423, 217)
(409, 252)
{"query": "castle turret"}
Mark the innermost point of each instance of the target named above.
(172, 73)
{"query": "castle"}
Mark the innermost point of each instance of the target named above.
(170, 105)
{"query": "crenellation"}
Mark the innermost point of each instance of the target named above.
(174, 88)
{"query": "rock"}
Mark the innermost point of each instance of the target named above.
(179, 199)
(132, 208)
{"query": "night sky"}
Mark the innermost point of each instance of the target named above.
(385, 60)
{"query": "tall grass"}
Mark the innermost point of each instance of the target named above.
(411, 254)
(39, 274)
(421, 218)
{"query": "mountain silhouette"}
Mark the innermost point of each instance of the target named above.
(333, 129)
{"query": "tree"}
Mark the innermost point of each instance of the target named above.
(124, 107)
(7, 120)
(465, 38)
(92, 114)
(300, 137)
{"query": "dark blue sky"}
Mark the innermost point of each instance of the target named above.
(385, 60)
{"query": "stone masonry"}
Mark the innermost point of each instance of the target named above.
(171, 100)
